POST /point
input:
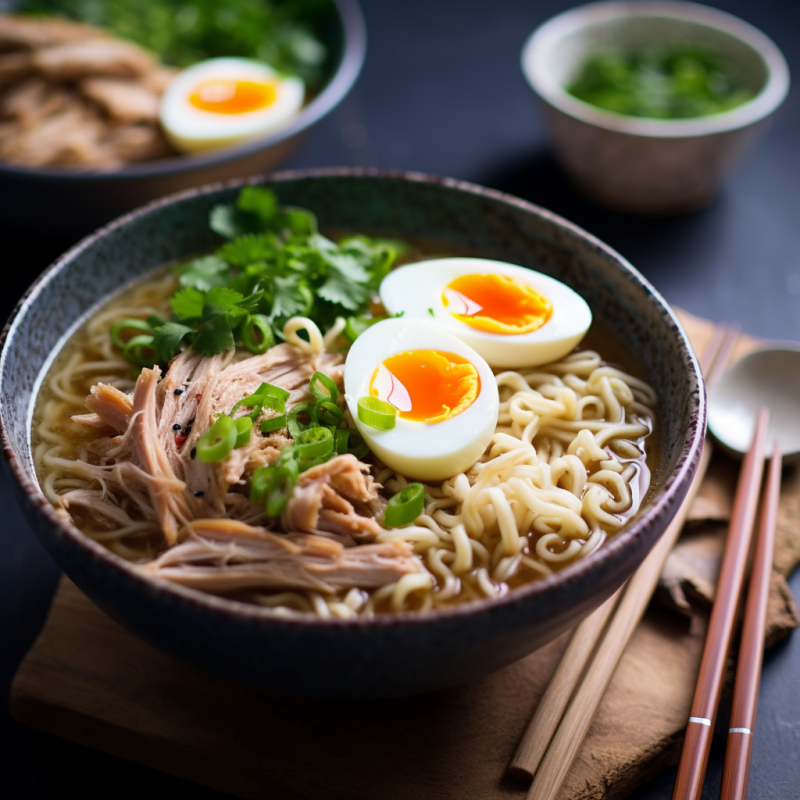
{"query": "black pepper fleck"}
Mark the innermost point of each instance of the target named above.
(176, 426)
(178, 392)
(193, 453)
(199, 494)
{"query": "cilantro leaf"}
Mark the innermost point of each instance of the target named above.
(259, 201)
(249, 249)
(167, 340)
(204, 273)
(296, 222)
(291, 296)
(188, 303)
(229, 222)
(215, 336)
(341, 290)
(223, 299)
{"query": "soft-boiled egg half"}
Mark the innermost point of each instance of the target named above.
(444, 393)
(224, 101)
(512, 316)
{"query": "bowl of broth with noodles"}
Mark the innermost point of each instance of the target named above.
(348, 434)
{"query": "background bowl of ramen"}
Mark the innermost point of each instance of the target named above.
(643, 165)
(385, 655)
(69, 203)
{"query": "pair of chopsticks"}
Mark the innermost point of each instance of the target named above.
(696, 745)
(563, 716)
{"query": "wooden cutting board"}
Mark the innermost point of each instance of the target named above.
(90, 681)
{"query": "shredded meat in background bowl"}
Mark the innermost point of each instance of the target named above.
(73, 96)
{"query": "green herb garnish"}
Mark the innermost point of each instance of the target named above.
(405, 506)
(275, 265)
(182, 32)
(677, 82)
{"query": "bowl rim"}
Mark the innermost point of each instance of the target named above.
(354, 40)
(666, 502)
(540, 79)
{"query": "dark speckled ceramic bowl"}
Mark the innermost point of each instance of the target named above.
(389, 655)
(70, 203)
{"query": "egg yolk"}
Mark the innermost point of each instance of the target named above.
(232, 96)
(426, 385)
(496, 304)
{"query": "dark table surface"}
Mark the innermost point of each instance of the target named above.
(441, 92)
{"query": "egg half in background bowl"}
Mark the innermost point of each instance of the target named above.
(387, 654)
(227, 101)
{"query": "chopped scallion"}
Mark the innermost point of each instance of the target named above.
(272, 424)
(377, 413)
(323, 387)
(257, 335)
(296, 427)
(218, 441)
(140, 351)
(314, 443)
(244, 427)
(405, 506)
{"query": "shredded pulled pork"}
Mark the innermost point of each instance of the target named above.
(215, 538)
(224, 556)
(73, 96)
(338, 497)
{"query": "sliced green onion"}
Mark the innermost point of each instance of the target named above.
(405, 506)
(269, 390)
(130, 324)
(258, 401)
(257, 335)
(287, 454)
(377, 413)
(254, 401)
(295, 426)
(259, 483)
(281, 485)
(355, 326)
(140, 351)
(329, 413)
(244, 427)
(273, 424)
(314, 443)
(323, 387)
(218, 441)
(306, 463)
(358, 447)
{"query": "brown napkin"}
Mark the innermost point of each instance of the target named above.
(690, 574)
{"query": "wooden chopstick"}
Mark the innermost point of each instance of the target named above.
(748, 669)
(697, 743)
(551, 707)
(575, 723)
(542, 727)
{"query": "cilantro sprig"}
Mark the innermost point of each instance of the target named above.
(273, 265)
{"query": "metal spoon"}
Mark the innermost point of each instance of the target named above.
(769, 377)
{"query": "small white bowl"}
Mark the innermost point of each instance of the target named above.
(643, 165)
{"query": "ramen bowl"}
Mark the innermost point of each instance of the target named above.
(70, 203)
(638, 164)
(383, 655)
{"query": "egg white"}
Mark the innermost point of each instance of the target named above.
(420, 450)
(416, 290)
(190, 129)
